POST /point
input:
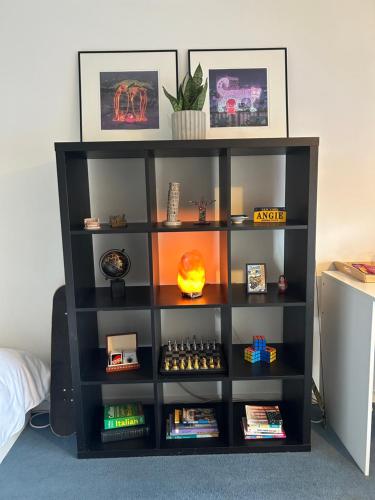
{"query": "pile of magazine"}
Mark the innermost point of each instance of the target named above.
(192, 423)
(263, 422)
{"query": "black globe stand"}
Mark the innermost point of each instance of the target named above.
(117, 288)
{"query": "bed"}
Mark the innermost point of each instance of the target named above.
(24, 384)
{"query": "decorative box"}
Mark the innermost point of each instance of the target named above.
(122, 352)
(363, 271)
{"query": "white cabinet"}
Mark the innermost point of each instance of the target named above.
(348, 338)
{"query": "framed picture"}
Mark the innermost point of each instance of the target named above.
(248, 94)
(256, 279)
(121, 94)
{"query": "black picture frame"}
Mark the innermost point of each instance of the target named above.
(259, 289)
(88, 107)
(243, 131)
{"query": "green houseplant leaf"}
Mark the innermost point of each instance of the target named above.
(191, 94)
(172, 100)
(198, 76)
(199, 101)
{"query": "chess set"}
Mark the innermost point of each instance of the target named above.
(188, 357)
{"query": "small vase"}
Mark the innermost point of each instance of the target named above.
(187, 125)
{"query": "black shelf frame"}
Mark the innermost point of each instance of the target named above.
(84, 300)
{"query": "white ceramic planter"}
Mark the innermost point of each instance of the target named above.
(188, 125)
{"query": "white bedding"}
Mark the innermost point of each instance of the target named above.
(24, 384)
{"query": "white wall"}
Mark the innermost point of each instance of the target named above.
(331, 78)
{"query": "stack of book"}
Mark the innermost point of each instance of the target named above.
(192, 423)
(123, 421)
(263, 422)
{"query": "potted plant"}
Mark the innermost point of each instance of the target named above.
(188, 119)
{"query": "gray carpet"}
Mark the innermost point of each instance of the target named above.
(42, 466)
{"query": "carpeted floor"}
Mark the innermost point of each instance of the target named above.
(42, 466)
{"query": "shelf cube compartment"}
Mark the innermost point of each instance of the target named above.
(92, 289)
(198, 178)
(287, 394)
(92, 329)
(283, 329)
(178, 325)
(94, 398)
(213, 395)
(168, 249)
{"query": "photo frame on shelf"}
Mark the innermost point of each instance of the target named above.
(247, 92)
(256, 278)
(121, 94)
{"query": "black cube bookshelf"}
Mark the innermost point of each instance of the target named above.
(293, 366)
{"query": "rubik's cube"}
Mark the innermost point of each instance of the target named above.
(259, 351)
(259, 342)
(252, 355)
(268, 354)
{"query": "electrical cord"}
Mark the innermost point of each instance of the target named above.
(35, 426)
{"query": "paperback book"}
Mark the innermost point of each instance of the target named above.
(192, 423)
(262, 422)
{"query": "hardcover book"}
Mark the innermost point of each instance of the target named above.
(123, 415)
(124, 433)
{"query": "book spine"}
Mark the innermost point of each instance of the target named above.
(124, 434)
(193, 436)
(114, 423)
(193, 430)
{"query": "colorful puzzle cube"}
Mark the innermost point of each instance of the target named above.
(251, 355)
(259, 342)
(268, 354)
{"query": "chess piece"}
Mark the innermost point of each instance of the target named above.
(166, 364)
(169, 346)
(214, 345)
(174, 366)
(202, 345)
(204, 363)
(218, 363)
(189, 365)
(211, 362)
(196, 363)
(182, 347)
(188, 344)
(194, 344)
(207, 345)
(175, 348)
(182, 364)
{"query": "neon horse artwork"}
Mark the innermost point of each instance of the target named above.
(135, 94)
(232, 96)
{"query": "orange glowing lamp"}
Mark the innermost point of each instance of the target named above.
(191, 274)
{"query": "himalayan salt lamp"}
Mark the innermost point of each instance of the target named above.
(191, 274)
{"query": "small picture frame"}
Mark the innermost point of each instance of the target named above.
(256, 278)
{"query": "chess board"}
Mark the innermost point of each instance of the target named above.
(202, 361)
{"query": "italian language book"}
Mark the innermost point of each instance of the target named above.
(123, 415)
